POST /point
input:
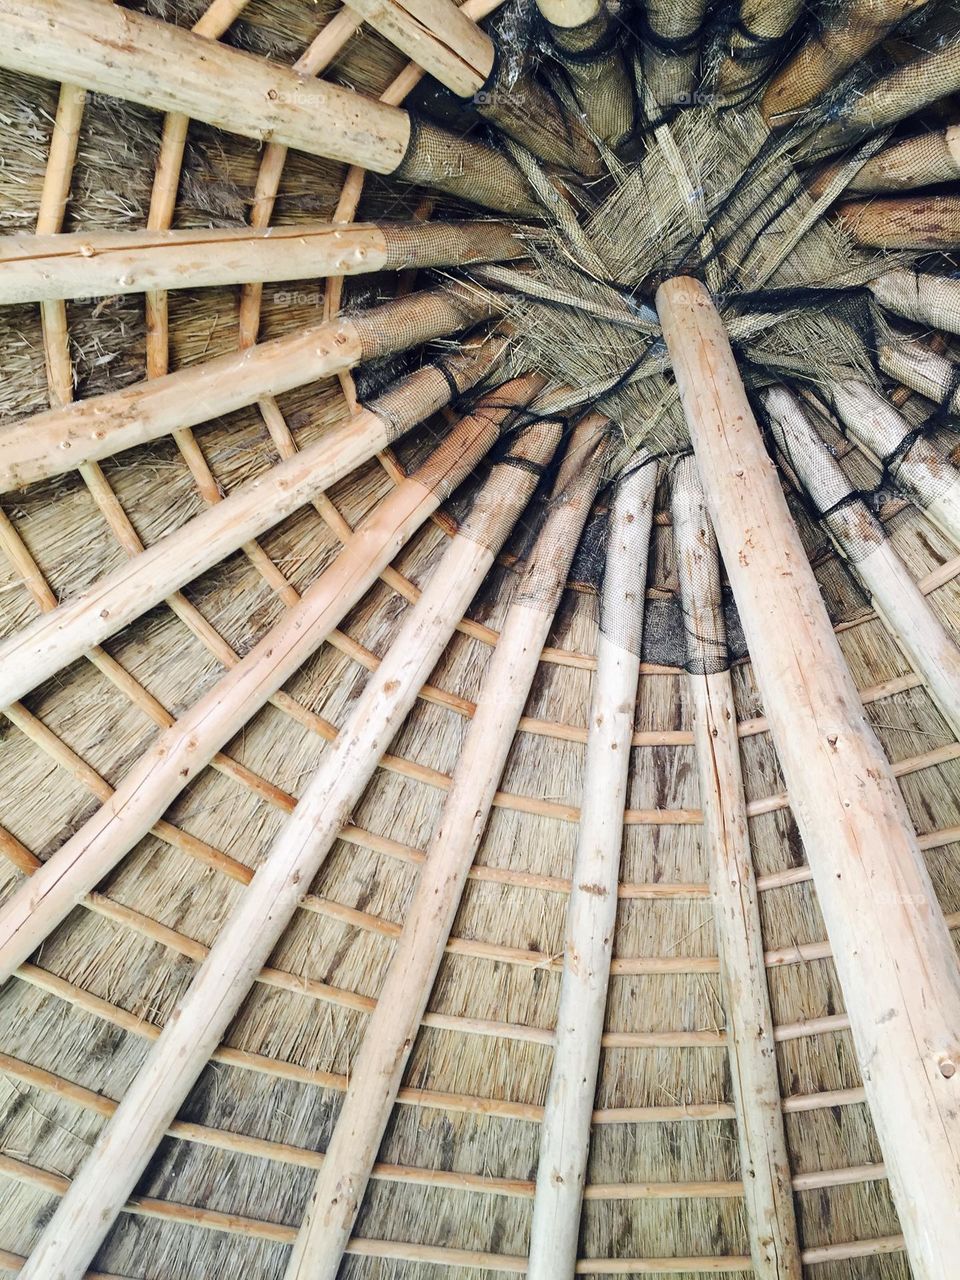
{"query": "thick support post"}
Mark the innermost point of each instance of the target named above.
(765, 1168)
(892, 950)
(592, 913)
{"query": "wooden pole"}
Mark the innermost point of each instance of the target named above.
(53, 641)
(915, 222)
(181, 751)
(59, 440)
(917, 466)
(893, 954)
(391, 1032)
(911, 162)
(895, 596)
(847, 34)
(918, 367)
(120, 52)
(928, 299)
(244, 943)
(36, 268)
(437, 36)
(765, 1167)
(592, 910)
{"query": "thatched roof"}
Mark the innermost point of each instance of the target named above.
(225, 1190)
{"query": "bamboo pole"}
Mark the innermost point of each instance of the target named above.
(893, 954)
(916, 465)
(36, 268)
(65, 633)
(122, 53)
(917, 222)
(846, 35)
(391, 1031)
(190, 743)
(765, 1167)
(250, 934)
(592, 909)
(894, 595)
(60, 439)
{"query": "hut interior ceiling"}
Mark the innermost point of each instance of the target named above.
(399, 839)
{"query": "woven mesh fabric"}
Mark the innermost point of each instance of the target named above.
(442, 244)
(417, 318)
(579, 478)
(750, 38)
(915, 162)
(891, 97)
(421, 393)
(461, 167)
(526, 111)
(698, 569)
(927, 299)
(923, 222)
(923, 370)
(846, 34)
(517, 465)
(593, 59)
(472, 437)
(914, 463)
(671, 36)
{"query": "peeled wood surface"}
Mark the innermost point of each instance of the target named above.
(592, 911)
(920, 222)
(765, 1167)
(115, 51)
(893, 954)
(190, 743)
(247, 939)
(105, 263)
(437, 36)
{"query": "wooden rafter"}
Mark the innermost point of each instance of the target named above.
(592, 911)
(893, 954)
(761, 1140)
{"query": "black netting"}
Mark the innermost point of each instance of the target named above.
(913, 162)
(927, 299)
(442, 381)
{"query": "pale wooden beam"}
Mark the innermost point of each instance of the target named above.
(37, 268)
(249, 935)
(376, 1074)
(592, 910)
(50, 443)
(180, 752)
(765, 1167)
(50, 643)
(127, 55)
(929, 648)
(438, 36)
(913, 222)
(917, 366)
(892, 951)
(917, 466)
